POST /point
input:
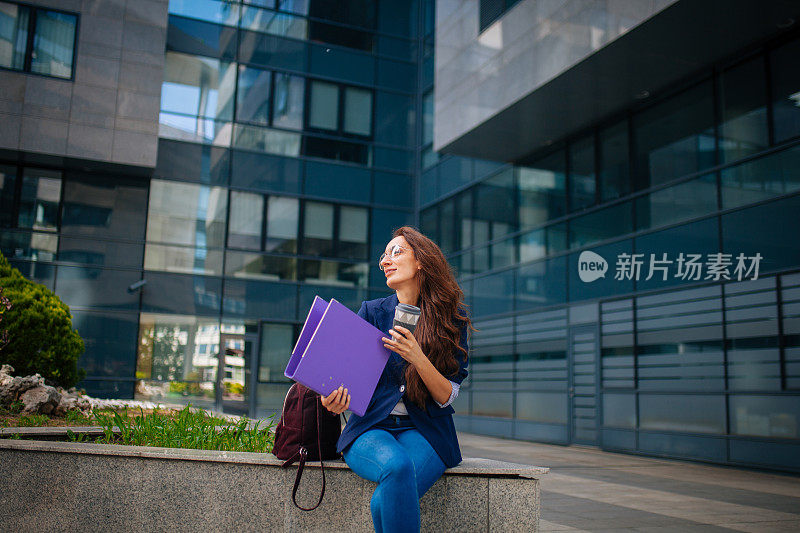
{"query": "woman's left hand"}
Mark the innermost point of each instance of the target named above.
(405, 345)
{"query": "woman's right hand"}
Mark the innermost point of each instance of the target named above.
(337, 402)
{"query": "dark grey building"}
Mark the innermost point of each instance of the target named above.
(604, 176)
(661, 134)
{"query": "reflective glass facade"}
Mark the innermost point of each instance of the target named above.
(293, 136)
(691, 366)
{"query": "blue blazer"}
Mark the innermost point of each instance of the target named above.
(434, 423)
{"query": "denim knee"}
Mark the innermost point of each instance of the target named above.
(399, 466)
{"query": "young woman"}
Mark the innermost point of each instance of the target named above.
(406, 438)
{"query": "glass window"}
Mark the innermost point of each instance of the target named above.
(194, 129)
(494, 294)
(324, 111)
(607, 223)
(169, 363)
(342, 63)
(447, 226)
(429, 223)
(700, 237)
(110, 341)
(35, 246)
(41, 194)
(532, 246)
(257, 266)
(686, 413)
(266, 21)
(353, 152)
(353, 226)
(765, 416)
(743, 99)
(351, 12)
(761, 230)
(582, 184)
(14, 22)
(220, 12)
(182, 259)
(357, 111)
(542, 190)
(427, 118)
(398, 17)
(679, 341)
(99, 288)
(287, 104)
(496, 204)
(334, 273)
(318, 229)
(104, 207)
(183, 294)
(762, 178)
(53, 43)
(494, 404)
(786, 91)
(293, 6)
(198, 86)
(464, 219)
(613, 171)
(336, 181)
(684, 201)
(99, 252)
(544, 407)
(541, 284)
(253, 95)
(197, 163)
(266, 140)
(338, 35)
(504, 253)
(675, 137)
(186, 213)
(252, 170)
(619, 411)
(247, 214)
(277, 340)
(282, 222)
(751, 330)
(8, 181)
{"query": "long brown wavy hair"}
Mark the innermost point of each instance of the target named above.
(438, 331)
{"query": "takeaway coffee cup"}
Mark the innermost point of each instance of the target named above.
(407, 316)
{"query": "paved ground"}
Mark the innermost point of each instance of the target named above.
(592, 490)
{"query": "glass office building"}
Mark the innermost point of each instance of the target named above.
(287, 139)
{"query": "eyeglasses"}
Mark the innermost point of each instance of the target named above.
(393, 254)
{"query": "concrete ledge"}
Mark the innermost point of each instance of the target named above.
(49, 485)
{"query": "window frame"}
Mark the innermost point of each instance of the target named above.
(341, 111)
(336, 230)
(33, 11)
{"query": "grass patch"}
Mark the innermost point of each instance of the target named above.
(164, 428)
(186, 429)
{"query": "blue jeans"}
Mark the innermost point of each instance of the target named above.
(394, 454)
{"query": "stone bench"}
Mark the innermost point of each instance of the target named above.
(50, 485)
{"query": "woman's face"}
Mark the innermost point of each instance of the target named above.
(399, 264)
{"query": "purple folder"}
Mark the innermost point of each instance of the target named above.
(338, 347)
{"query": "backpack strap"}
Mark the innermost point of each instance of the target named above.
(303, 453)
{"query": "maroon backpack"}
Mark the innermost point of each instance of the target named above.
(306, 431)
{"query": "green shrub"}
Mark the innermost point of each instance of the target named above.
(40, 334)
(234, 388)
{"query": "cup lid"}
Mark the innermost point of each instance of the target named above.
(413, 309)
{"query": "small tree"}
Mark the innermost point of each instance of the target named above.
(40, 335)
